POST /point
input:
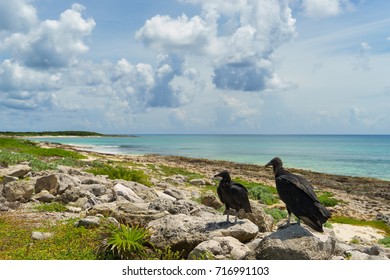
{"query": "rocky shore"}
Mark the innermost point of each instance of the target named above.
(181, 213)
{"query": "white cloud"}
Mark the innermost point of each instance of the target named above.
(326, 8)
(17, 15)
(236, 39)
(52, 43)
(163, 32)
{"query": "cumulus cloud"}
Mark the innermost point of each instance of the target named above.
(16, 15)
(24, 88)
(52, 43)
(163, 32)
(237, 39)
(326, 8)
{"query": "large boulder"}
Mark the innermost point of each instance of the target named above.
(142, 191)
(210, 199)
(184, 232)
(57, 183)
(21, 190)
(127, 193)
(182, 206)
(18, 171)
(258, 216)
(295, 243)
(220, 248)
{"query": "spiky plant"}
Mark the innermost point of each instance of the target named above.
(126, 243)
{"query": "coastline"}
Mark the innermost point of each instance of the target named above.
(182, 183)
(365, 198)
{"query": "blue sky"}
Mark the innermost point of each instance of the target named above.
(195, 66)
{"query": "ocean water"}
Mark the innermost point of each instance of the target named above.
(354, 155)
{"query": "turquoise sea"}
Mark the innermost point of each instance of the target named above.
(355, 155)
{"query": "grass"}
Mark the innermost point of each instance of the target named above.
(350, 221)
(385, 241)
(276, 213)
(50, 207)
(68, 242)
(14, 151)
(327, 199)
(169, 171)
(265, 194)
(31, 148)
(120, 172)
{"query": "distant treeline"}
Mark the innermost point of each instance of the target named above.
(52, 133)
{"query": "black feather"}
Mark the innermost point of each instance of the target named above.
(298, 195)
(233, 194)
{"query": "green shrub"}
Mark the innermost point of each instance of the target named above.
(126, 243)
(327, 199)
(169, 171)
(120, 172)
(385, 241)
(50, 207)
(276, 213)
(265, 194)
(31, 148)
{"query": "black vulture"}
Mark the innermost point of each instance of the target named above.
(298, 195)
(232, 194)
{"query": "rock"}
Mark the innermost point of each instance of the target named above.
(127, 193)
(71, 194)
(220, 248)
(18, 171)
(176, 179)
(161, 204)
(37, 235)
(197, 182)
(97, 189)
(7, 179)
(144, 192)
(106, 209)
(73, 209)
(183, 206)
(66, 181)
(294, 243)
(44, 196)
(176, 193)
(69, 170)
(21, 190)
(136, 213)
(243, 230)
(184, 232)
(210, 199)
(88, 222)
(49, 183)
(165, 196)
(258, 216)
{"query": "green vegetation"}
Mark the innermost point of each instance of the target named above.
(14, 151)
(276, 213)
(67, 243)
(120, 172)
(354, 240)
(265, 194)
(133, 243)
(327, 199)
(385, 241)
(126, 243)
(50, 207)
(350, 221)
(169, 171)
